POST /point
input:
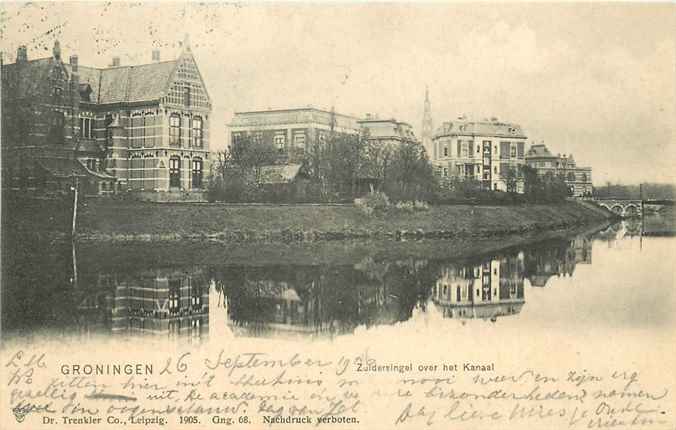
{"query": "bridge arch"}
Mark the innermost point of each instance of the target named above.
(631, 210)
(623, 208)
(618, 209)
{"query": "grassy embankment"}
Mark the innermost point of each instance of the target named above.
(108, 220)
(104, 219)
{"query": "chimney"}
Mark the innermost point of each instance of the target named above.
(156, 55)
(57, 50)
(116, 62)
(73, 63)
(22, 54)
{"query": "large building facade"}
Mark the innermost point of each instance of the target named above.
(578, 179)
(489, 151)
(142, 128)
(293, 132)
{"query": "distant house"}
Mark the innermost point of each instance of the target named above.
(578, 179)
(141, 128)
(487, 151)
(293, 132)
(387, 131)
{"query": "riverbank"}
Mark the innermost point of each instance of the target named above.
(109, 220)
(112, 255)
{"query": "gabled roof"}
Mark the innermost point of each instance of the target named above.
(28, 77)
(123, 84)
(127, 84)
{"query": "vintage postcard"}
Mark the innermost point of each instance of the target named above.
(342, 215)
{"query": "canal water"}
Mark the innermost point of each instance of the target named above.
(609, 278)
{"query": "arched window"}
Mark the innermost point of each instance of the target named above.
(197, 172)
(197, 131)
(175, 172)
(174, 129)
(56, 125)
(571, 176)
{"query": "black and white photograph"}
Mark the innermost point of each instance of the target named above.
(352, 215)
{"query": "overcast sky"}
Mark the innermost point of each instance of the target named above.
(595, 80)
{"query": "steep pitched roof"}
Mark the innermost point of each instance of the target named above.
(128, 84)
(65, 167)
(28, 77)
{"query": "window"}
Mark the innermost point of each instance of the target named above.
(280, 141)
(196, 297)
(197, 173)
(174, 295)
(445, 151)
(445, 172)
(136, 130)
(512, 152)
(197, 131)
(56, 126)
(186, 95)
(174, 129)
(175, 172)
(583, 177)
(495, 170)
(299, 140)
(258, 137)
(86, 128)
(571, 176)
(58, 91)
(465, 149)
(91, 164)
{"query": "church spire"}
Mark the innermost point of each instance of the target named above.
(427, 126)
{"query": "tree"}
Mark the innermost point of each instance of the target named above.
(511, 176)
(253, 154)
(409, 175)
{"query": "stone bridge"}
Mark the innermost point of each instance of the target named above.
(624, 208)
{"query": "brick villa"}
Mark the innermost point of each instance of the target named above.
(142, 128)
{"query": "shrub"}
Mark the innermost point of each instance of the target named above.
(373, 203)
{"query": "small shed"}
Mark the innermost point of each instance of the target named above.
(284, 182)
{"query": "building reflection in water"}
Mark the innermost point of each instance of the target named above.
(160, 302)
(281, 300)
(556, 258)
(486, 289)
(320, 300)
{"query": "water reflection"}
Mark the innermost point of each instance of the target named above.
(279, 300)
(557, 259)
(487, 289)
(164, 302)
